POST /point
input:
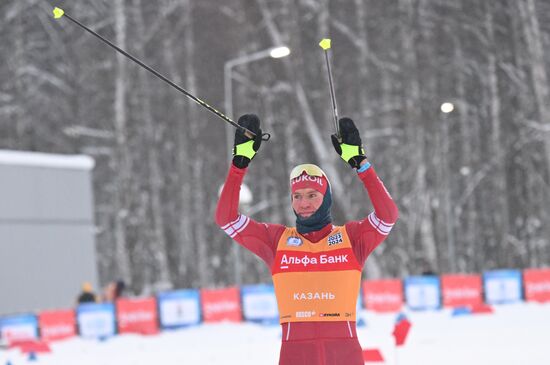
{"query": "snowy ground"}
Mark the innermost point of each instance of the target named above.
(513, 335)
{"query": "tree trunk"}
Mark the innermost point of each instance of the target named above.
(415, 131)
(185, 261)
(122, 159)
(469, 262)
(501, 210)
(158, 247)
(199, 254)
(533, 37)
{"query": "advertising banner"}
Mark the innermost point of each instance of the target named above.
(57, 325)
(96, 320)
(179, 308)
(221, 305)
(19, 328)
(502, 286)
(537, 285)
(461, 290)
(383, 295)
(137, 315)
(423, 292)
(260, 304)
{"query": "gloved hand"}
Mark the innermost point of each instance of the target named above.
(245, 148)
(350, 149)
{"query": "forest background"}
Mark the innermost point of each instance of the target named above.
(472, 186)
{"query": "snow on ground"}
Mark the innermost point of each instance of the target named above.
(516, 334)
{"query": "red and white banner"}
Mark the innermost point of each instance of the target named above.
(461, 290)
(221, 305)
(383, 295)
(57, 325)
(537, 285)
(137, 315)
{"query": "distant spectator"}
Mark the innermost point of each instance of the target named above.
(428, 272)
(87, 295)
(114, 290)
(426, 269)
(119, 288)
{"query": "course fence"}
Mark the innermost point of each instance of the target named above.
(256, 303)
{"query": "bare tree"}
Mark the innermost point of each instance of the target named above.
(123, 159)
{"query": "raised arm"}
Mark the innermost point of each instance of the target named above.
(260, 238)
(368, 233)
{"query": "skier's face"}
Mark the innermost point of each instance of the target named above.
(305, 202)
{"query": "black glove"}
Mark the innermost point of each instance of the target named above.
(350, 149)
(245, 148)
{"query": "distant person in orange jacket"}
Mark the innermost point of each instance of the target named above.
(87, 294)
(316, 266)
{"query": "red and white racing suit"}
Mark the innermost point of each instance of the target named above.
(313, 342)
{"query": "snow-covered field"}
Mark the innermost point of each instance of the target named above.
(516, 334)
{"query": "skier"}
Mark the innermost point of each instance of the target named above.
(316, 266)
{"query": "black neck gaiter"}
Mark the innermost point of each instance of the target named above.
(317, 220)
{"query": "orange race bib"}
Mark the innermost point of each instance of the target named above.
(316, 281)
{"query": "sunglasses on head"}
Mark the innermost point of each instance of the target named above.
(308, 168)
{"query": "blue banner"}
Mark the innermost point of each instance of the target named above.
(19, 328)
(96, 320)
(260, 304)
(423, 292)
(502, 286)
(179, 308)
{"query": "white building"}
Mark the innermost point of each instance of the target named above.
(47, 240)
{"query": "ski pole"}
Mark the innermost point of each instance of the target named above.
(325, 45)
(58, 13)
